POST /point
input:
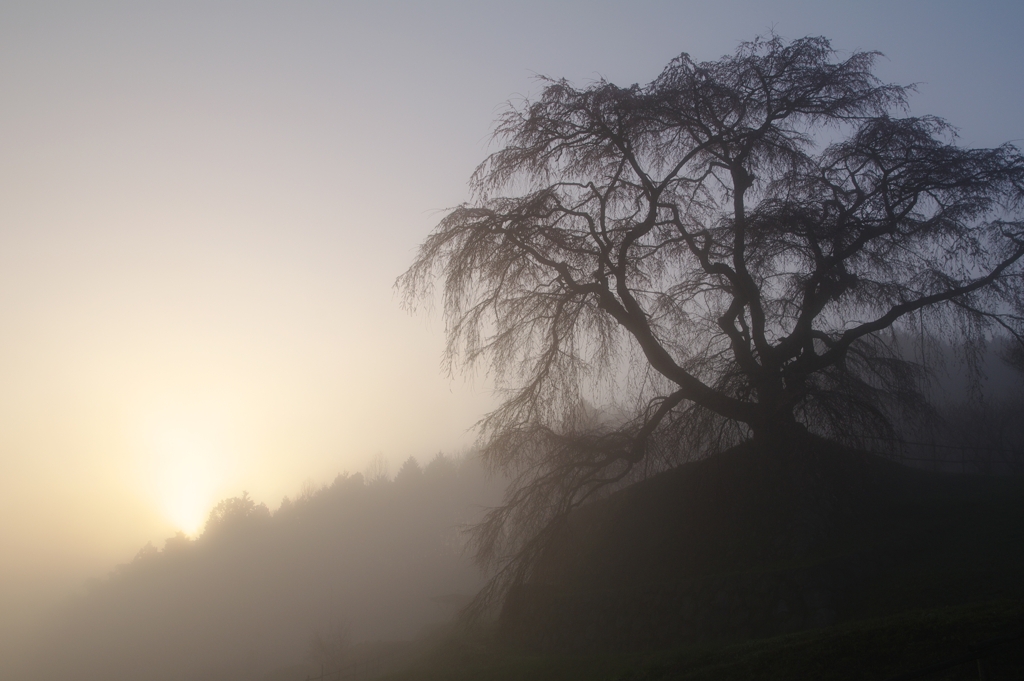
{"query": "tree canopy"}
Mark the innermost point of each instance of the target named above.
(735, 249)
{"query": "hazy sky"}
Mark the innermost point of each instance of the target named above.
(204, 206)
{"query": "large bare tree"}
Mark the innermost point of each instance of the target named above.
(735, 249)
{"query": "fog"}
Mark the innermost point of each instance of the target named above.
(203, 210)
(365, 559)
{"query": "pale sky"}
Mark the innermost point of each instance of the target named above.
(204, 207)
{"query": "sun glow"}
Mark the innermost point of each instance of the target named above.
(188, 470)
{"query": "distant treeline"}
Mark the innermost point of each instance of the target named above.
(365, 558)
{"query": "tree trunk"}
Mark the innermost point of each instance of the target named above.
(777, 429)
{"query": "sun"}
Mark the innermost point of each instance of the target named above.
(186, 468)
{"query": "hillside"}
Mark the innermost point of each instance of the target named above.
(746, 544)
(883, 649)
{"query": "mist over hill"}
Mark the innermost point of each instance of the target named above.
(365, 558)
(374, 557)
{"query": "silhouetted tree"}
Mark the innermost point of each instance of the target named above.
(409, 474)
(179, 543)
(234, 515)
(441, 468)
(750, 236)
(379, 470)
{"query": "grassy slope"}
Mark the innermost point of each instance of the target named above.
(868, 649)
